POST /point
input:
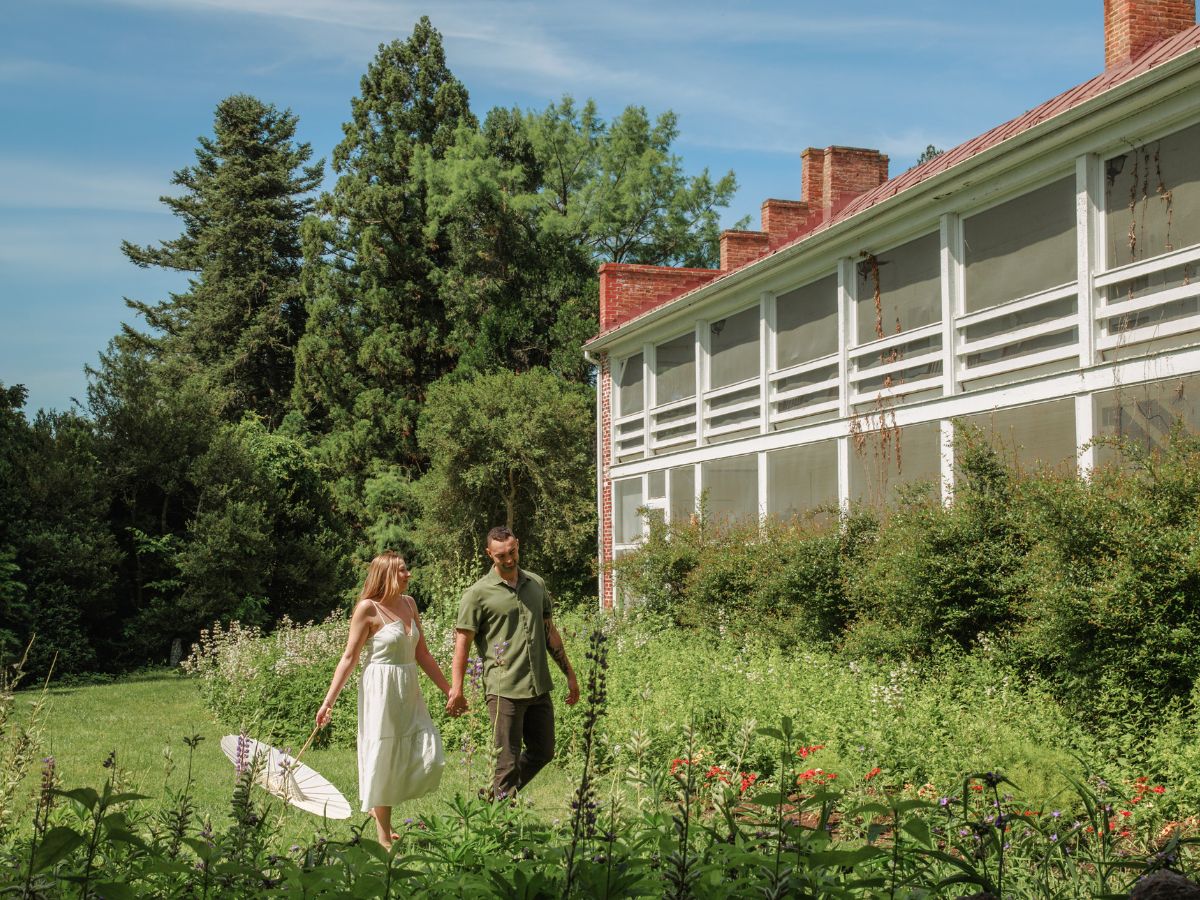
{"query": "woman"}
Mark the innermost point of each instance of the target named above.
(399, 749)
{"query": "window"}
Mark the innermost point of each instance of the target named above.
(731, 487)
(800, 479)
(1152, 198)
(907, 281)
(629, 385)
(1040, 435)
(675, 370)
(627, 500)
(733, 348)
(1145, 413)
(683, 493)
(883, 460)
(806, 323)
(656, 485)
(1021, 247)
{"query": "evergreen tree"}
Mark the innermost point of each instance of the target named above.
(530, 205)
(519, 290)
(377, 333)
(236, 326)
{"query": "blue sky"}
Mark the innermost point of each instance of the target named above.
(101, 100)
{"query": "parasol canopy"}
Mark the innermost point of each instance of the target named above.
(286, 777)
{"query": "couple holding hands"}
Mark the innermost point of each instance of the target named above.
(507, 615)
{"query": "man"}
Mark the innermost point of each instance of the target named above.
(508, 616)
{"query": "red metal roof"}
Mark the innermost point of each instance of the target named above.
(1105, 81)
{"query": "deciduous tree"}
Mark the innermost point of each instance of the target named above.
(517, 450)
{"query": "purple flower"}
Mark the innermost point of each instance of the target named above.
(242, 754)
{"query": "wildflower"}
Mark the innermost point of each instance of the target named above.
(1053, 837)
(1158, 789)
(875, 771)
(748, 780)
(944, 801)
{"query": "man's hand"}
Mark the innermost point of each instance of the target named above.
(572, 690)
(456, 703)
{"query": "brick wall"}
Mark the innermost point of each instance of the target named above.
(1133, 26)
(627, 290)
(604, 385)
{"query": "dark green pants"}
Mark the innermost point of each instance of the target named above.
(524, 732)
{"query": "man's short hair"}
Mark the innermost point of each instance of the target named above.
(500, 534)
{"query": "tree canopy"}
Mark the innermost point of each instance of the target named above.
(393, 363)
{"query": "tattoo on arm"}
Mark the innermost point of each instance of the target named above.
(559, 653)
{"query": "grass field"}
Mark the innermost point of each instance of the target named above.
(145, 718)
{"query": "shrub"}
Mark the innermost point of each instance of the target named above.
(1114, 582)
(781, 582)
(939, 575)
(270, 686)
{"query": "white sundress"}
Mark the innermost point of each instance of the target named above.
(400, 753)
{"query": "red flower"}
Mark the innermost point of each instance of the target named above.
(871, 774)
(1158, 789)
(677, 762)
(748, 779)
(1126, 813)
(977, 787)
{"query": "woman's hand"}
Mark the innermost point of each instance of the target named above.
(324, 714)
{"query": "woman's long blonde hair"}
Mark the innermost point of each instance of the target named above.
(384, 578)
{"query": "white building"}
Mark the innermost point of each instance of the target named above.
(1040, 280)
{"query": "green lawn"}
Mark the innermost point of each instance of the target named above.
(146, 717)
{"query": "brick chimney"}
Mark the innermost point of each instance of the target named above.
(1131, 27)
(832, 177)
(741, 247)
(627, 290)
(784, 219)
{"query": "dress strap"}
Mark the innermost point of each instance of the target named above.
(379, 609)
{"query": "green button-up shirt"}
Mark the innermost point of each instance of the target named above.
(510, 633)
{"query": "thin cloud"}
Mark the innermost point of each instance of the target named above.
(34, 184)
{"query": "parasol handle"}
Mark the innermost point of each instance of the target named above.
(296, 758)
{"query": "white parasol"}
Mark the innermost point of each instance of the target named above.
(285, 776)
